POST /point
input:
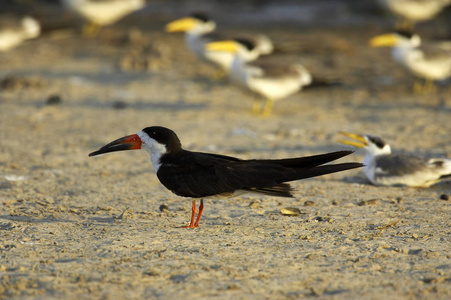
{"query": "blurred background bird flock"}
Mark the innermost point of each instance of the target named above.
(255, 62)
(248, 78)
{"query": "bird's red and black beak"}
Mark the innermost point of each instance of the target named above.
(130, 142)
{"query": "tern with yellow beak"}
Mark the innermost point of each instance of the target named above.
(413, 11)
(384, 168)
(271, 77)
(14, 31)
(200, 30)
(102, 13)
(428, 60)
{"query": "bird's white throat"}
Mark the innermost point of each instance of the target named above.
(155, 149)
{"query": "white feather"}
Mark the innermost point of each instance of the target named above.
(155, 149)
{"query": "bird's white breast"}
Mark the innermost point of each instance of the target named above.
(155, 149)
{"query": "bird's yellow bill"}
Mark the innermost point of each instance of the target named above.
(384, 40)
(184, 24)
(225, 46)
(359, 140)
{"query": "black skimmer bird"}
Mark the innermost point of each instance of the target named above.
(102, 13)
(201, 175)
(413, 11)
(200, 30)
(429, 60)
(384, 168)
(14, 31)
(269, 76)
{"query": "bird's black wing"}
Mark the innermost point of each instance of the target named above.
(200, 174)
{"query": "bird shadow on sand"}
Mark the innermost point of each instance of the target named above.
(81, 78)
(48, 219)
(101, 220)
(27, 219)
(141, 105)
(438, 106)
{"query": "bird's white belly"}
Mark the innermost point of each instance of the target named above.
(377, 176)
(222, 59)
(107, 13)
(274, 89)
(412, 180)
(414, 11)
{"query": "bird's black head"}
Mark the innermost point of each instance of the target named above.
(201, 17)
(376, 141)
(405, 33)
(247, 43)
(164, 136)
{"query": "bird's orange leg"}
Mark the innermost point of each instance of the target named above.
(193, 213)
(201, 209)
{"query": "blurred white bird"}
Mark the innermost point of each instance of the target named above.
(272, 77)
(384, 168)
(102, 12)
(413, 11)
(200, 30)
(429, 60)
(14, 31)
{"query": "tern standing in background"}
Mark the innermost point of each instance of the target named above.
(101, 13)
(429, 60)
(384, 168)
(413, 11)
(272, 77)
(199, 30)
(14, 31)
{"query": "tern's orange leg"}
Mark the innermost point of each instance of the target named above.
(201, 209)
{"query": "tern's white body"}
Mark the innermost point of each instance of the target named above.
(384, 168)
(260, 77)
(14, 31)
(104, 12)
(275, 88)
(430, 61)
(427, 174)
(197, 38)
(415, 10)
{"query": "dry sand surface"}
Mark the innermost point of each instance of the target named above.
(73, 227)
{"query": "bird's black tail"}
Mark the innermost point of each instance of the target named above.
(310, 161)
(321, 170)
(285, 190)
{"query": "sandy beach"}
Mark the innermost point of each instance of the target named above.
(74, 227)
